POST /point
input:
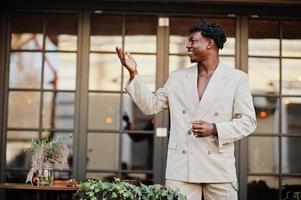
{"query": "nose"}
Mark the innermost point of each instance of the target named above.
(188, 44)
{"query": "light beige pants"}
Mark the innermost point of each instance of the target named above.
(211, 191)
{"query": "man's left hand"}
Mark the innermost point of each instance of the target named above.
(201, 128)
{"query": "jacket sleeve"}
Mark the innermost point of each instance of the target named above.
(243, 121)
(148, 102)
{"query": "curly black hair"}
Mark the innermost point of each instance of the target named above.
(210, 30)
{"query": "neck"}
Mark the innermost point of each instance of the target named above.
(208, 65)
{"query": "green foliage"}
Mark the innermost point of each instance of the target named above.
(119, 190)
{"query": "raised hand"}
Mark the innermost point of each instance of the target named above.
(127, 60)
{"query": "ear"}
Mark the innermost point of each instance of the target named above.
(210, 43)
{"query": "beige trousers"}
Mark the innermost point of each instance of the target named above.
(211, 191)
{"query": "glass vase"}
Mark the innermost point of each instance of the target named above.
(45, 175)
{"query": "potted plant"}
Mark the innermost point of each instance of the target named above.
(120, 190)
(45, 153)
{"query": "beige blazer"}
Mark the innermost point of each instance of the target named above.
(227, 101)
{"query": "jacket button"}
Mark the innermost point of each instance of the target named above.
(209, 152)
(184, 152)
(216, 114)
(184, 111)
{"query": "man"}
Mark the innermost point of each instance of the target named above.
(210, 106)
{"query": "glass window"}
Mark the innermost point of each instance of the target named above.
(263, 154)
(291, 155)
(58, 110)
(263, 187)
(264, 75)
(104, 111)
(291, 76)
(291, 115)
(267, 114)
(60, 71)
(61, 31)
(27, 31)
(100, 155)
(264, 38)
(23, 110)
(104, 72)
(291, 187)
(291, 38)
(106, 32)
(141, 34)
(25, 70)
(106, 177)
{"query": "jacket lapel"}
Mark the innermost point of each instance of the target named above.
(190, 88)
(214, 88)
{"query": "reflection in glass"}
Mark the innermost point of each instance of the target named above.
(264, 75)
(17, 141)
(291, 115)
(104, 72)
(27, 31)
(291, 76)
(103, 111)
(291, 154)
(60, 71)
(137, 151)
(23, 109)
(290, 186)
(106, 32)
(141, 34)
(58, 110)
(133, 118)
(61, 32)
(25, 70)
(267, 114)
(264, 38)
(100, 154)
(291, 42)
(105, 177)
(146, 69)
(263, 187)
(263, 154)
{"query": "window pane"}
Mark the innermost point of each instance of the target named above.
(27, 31)
(104, 72)
(291, 76)
(60, 71)
(23, 109)
(178, 62)
(141, 34)
(267, 114)
(100, 154)
(291, 115)
(133, 118)
(264, 75)
(17, 141)
(291, 187)
(263, 188)
(263, 154)
(137, 151)
(264, 38)
(137, 178)
(291, 155)
(291, 42)
(104, 111)
(230, 61)
(106, 177)
(58, 110)
(146, 69)
(61, 31)
(106, 32)
(25, 70)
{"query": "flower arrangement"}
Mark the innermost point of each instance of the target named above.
(47, 151)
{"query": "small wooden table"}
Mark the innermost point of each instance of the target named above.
(27, 191)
